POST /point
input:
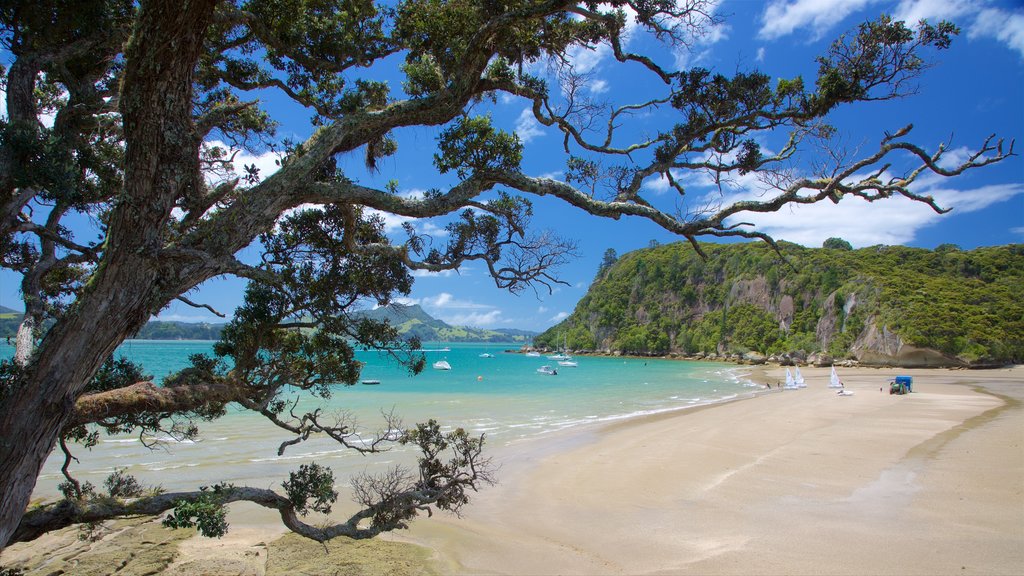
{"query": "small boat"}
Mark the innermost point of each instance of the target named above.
(790, 382)
(564, 354)
(569, 363)
(834, 381)
(487, 355)
(533, 354)
(370, 382)
(547, 370)
(442, 365)
(799, 378)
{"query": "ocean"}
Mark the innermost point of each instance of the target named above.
(503, 397)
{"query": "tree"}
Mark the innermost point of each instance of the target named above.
(836, 244)
(607, 261)
(138, 90)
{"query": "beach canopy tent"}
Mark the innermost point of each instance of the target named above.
(901, 385)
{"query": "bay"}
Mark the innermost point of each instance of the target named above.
(503, 397)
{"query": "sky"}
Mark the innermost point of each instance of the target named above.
(974, 90)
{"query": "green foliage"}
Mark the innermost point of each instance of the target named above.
(444, 477)
(206, 512)
(311, 487)
(122, 485)
(160, 330)
(71, 491)
(965, 304)
(473, 144)
(837, 244)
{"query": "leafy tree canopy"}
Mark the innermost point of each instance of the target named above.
(837, 244)
(138, 90)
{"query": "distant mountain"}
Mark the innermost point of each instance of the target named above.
(410, 321)
(413, 321)
(9, 321)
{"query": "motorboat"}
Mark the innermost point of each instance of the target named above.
(442, 365)
(487, 355)
(568, 363)
(370, 382)
(533, 354)
(547, 370)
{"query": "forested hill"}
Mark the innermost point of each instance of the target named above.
(888, 305)
(410, 321)
(414, 321)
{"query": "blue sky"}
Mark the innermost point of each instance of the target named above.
(975, 89)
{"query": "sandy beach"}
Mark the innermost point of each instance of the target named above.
(787, 482)
(790, 482)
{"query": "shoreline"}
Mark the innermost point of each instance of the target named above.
(787, 482)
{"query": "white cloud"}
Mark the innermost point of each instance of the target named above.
(527, 126)
(598, 86)
(429, 274)
(1018, 231)
(476, 319)
(445, 301)
(542, 309)
(893, 221)
(552, 175)
(560, 316)
(963, 201)
(913, 11)
(783, 17)
(760, 55)
(265, 162)
(458, 312)
(1007, 27)
(585, 59)
(413, 194)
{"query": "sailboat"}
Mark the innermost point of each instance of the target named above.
(799, 378)
(834, 381)
(790, 382)
(563, 356)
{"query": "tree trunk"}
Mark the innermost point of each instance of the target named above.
(130, 284)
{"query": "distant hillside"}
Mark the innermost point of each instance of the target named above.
(160, 330)
(880, 305)
(410, 320)
(413, 321)
(155, 330)
(9, 321)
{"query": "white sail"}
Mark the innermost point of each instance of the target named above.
(834, 380)
(790, 383)
(799, 378)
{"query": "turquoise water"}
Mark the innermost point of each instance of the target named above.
(503, 397)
